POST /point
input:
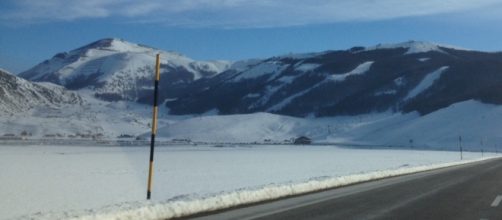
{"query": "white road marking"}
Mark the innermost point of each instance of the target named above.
(497, 201)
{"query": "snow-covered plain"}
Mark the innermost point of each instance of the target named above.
(60, 182)
(476, 122)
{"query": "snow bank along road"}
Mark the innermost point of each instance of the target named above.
(471, 191)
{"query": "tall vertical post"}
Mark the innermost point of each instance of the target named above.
(460, 146)
(154, 125)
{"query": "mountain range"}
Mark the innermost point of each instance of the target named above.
(405, 77)
(112, 76)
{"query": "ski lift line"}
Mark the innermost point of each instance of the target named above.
(154, 126)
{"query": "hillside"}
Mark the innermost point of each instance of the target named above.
(405, 77)
(477, 123)
(18, 95)
(119, 70)
(49, 111)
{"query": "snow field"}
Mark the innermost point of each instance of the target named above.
(361, 69)
(413, 47)
(477, 124)
(41, 182)
(426, 82)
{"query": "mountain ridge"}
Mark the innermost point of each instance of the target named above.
(402, 77)
(332, 83)
(119, 70)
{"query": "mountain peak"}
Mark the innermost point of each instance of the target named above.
(414, 46)
(118, 69)
(105, 42)
(115, 44)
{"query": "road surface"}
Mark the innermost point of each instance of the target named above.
(472, 191)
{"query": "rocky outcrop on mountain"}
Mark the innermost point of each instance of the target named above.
(19, 95)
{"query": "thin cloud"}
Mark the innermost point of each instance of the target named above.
(232, 13)
(30, 11)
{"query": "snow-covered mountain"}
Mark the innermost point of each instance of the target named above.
(404, 77)
(119, 70)
(407, 86)
(19, 95)
(46, 110)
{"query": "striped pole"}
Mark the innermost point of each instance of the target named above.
(154, 126)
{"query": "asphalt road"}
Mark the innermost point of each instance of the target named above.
(472, 191)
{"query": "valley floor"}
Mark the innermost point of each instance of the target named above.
(51, 182)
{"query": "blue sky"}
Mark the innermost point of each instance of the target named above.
(33, 30)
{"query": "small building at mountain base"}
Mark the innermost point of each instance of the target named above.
(302, 140)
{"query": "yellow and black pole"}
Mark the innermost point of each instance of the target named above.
(154, 125)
